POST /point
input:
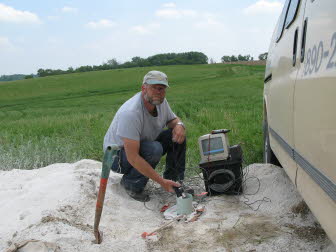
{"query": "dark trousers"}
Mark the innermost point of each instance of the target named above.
(152, 151)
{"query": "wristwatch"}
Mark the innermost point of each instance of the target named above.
(181, 123)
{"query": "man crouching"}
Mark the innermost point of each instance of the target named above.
(138, 129)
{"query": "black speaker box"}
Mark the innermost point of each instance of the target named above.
(224, 176)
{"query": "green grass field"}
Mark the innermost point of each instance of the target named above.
(64, 118)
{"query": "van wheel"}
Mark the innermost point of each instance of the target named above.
(269, 157)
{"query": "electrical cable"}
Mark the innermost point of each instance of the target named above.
(221, 187)
(241, 196)
(244, 194)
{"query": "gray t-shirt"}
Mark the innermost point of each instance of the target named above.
(133, 121)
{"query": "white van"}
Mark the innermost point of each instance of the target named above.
(300, 103)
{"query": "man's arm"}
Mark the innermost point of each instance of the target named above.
(132, 148)
(179, 131)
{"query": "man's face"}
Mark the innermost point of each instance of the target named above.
(154, 94)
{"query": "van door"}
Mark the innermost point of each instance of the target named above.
(284, 68)
(315, 115)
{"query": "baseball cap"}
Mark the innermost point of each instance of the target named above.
(155, 77)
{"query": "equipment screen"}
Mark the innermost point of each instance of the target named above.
(216, 146)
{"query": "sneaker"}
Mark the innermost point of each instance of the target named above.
(139, 196)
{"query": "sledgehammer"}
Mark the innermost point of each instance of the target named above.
(109, 155)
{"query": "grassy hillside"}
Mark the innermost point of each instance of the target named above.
(64, 118)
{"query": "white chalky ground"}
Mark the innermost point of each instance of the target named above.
(57, 204)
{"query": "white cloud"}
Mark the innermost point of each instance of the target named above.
(264, 7)
(11, 15)
(207, 20)
(204, 19)
(67, 9)
(145, 29)
(169, 5)
(101, 24)
(172, 13)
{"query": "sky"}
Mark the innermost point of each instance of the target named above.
(61, 34)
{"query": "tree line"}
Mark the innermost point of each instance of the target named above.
(233, 58)
(12, 77)
(186, 58)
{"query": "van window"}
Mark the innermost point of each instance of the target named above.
(292, 11)
(282, 19)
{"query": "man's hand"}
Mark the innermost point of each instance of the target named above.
(168, 185)
(178, 134)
